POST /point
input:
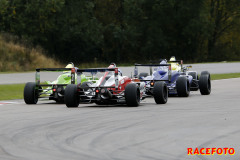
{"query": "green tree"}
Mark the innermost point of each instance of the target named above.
(224, 18)
(127, 30)
(165, 28)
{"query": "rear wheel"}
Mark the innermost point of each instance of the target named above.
(71, 97)
(132, 95)
(205, 83)
(142, 75)
(30, 93)
(182, 85)
(160, 92)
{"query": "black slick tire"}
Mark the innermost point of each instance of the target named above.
(71, 97)
(182, 85)
(205, 72)
(205, 83)
(160, 92)
(30, 93)
(132, 95)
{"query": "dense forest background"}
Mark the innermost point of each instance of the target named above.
(126, 31)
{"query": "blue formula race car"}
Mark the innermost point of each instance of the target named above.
(181, 82)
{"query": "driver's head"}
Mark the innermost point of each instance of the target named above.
(70, 65)
(112, 65)
(172, 58)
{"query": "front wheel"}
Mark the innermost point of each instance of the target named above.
(132, 95)
(160, 92)
(30, 93)
(71, 97)
(182, 85)
(205, 83)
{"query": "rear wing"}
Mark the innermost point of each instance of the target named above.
(37, 75)
(95, 70)
(153, 65)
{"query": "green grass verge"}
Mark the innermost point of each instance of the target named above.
(11, 72)
(225, 76)
(15, 91)
(11, 91)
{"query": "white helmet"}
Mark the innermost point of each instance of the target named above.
(70, 65)
(172, 58)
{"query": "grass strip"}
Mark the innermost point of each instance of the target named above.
(11, 91)
(224, 76)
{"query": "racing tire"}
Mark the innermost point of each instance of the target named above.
(205, 72)
(71, 97)
(132, 95)
(194, 86)
(183, 87)
(205, 83)
(143, 75)
(30, 93)
(160, 92)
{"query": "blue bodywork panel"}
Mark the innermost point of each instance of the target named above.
(161, 74)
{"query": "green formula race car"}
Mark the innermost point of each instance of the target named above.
(54, 90)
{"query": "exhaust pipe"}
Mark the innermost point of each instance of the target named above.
(106, 93)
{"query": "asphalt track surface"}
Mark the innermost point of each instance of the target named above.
(50, 131)
(213, 68)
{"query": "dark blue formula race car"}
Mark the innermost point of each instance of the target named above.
(182, 80)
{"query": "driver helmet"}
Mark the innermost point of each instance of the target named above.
(114, 64)
(174, 65)
(70, 65)
(172, 58)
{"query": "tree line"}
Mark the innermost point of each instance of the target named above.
(127, 31)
